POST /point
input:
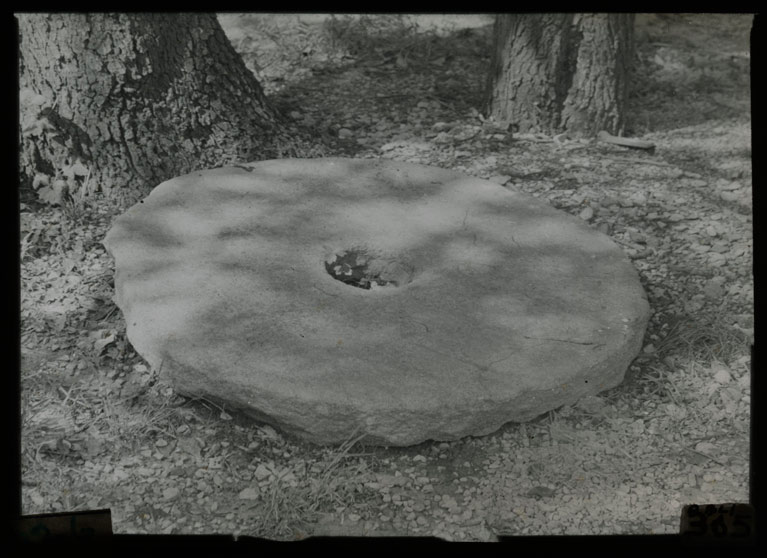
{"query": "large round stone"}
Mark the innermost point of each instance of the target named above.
(338, 296)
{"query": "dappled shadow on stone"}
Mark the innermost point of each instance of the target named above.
(465, 306)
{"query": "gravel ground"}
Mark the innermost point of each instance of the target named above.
(100, 429)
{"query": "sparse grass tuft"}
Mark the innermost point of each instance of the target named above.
(658, 382)
(283, 507)
(705, 338)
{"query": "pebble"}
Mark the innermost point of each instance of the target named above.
(262, 472)
(728, 186)
(604, 228)
(586, 214)
(722, 376)
(717, 259)
(713, 290)
(500, 179)
(345, 133)
(249, 493)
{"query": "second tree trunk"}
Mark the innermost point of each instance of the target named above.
(561, 72)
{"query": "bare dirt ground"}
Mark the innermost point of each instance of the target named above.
(101, 430)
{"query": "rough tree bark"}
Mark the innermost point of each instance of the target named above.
(556, 73)
(139, 98)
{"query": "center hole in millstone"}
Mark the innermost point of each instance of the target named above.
(360, 268)
(353, 268)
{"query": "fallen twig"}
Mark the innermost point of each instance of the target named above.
(707, 456)
(625, 142)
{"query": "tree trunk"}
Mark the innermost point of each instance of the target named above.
(138, 98)
(556, 73)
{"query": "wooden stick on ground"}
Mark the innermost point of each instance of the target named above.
(640, 161)
(625, 142)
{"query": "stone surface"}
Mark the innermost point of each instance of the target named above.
(330, 297)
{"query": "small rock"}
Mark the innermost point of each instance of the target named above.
(717, 260)
(638, 426)
(170, 493)
(722, 375)
(697, 183)
(268, 432)
(500, 179)
(728, 186)
(262, 472)
(591, 404)
(353, 517)
(294, 114)
(345, 133)
(713, 290)
(649, 349)
(728, 196)
(420, 458)
(249, 493)
(389, 146)
(541, 492)
(448, 502)
(639, 254)
(586, 214)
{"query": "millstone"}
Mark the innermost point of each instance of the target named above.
(341, 297)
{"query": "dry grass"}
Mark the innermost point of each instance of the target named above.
(284, 508)
(704, 338)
